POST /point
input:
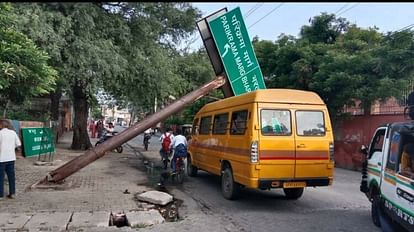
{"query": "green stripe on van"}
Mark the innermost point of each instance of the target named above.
(398, 207)
(374, 170)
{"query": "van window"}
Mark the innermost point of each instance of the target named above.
(238, 122)
(394, 149)
(310, 123)
(205, 125)
(275, 122)
(377, 143)
(220, 123)
(195, 127)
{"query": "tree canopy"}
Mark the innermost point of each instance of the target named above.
(24, 69)
(340, 61)
(126, 49)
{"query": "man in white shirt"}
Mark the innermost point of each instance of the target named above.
(179, 144)
(166, 140)
(9, 141)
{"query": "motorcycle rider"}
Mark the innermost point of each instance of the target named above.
(109, 130)
(147, 135)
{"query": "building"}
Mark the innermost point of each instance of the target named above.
(116, 115)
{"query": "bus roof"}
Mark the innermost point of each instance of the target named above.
(287, 96)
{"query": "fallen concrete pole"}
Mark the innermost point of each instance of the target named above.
(59, 174)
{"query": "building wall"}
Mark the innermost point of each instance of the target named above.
(350, 135)
(115, 115)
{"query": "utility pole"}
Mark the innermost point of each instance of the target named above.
(59, 174)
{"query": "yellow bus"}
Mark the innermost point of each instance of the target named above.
(272, 138)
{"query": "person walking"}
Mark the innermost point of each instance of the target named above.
(9, 141)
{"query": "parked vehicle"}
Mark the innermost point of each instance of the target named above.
(105, 137)
(273, 138)
(384, 181)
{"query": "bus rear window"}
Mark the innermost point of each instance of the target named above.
(275, 122)
(310, 123)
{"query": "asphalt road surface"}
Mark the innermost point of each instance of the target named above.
(340, 207)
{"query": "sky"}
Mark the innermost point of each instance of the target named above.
(269, 20)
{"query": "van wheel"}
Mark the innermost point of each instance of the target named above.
(229, 188)
(375, 210)
(293, 193)
(191, 169)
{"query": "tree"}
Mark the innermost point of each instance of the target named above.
(324, 28)
(124, 48)
(24, 70)
(153, 73)
(339, 61)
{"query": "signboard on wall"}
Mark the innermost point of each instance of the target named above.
(37, 141)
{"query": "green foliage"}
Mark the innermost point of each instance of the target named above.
(127, 49)
(339, 61)
(324, 28)
(24, 71)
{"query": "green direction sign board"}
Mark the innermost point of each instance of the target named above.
(236, 52)
(37, 141)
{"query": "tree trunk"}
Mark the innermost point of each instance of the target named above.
(5, 108)
(54, 106)
(80, 139)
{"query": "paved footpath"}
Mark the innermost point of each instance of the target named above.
(86, 199)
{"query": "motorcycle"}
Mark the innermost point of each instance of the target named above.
(105, 137)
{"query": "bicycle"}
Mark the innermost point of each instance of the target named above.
(165, 159)
(180, 166)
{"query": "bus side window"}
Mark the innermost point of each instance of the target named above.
(195, 127)
(205, 125)
(238, 122)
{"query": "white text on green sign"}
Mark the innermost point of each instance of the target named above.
(236, 52)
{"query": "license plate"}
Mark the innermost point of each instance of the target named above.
(294, 184)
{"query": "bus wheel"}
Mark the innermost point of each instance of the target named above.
(293, 193)
(191, 169)
(375, 210)
(229, 188)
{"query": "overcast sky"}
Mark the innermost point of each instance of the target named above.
(269, 20)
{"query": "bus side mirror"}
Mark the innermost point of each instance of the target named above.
(364, 150)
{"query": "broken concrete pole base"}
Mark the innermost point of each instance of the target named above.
(140, 219)
(155, 197)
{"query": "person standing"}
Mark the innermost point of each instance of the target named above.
(9, 141)
(92, 128)
(99, 128)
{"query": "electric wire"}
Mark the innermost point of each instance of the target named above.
(341, 8)
(250, 12)
(277, 7)
(353, 6)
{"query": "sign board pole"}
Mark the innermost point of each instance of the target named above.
(236, 52)
(211, 48)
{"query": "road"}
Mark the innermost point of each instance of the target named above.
(340, 207)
